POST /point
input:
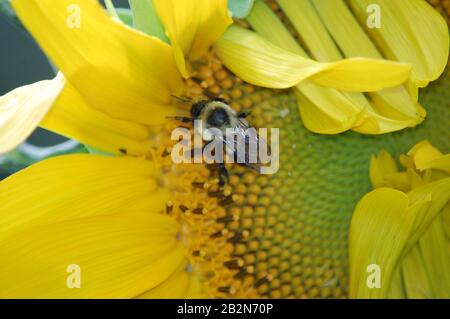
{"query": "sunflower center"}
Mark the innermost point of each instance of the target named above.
(259, 235)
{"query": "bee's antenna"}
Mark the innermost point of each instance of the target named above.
(182, 99)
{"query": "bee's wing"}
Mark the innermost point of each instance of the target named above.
(251, 141)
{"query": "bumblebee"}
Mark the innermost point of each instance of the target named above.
(215, 113)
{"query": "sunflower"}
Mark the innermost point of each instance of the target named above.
(411, 209)
(136, 225)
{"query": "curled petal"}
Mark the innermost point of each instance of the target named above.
(426, 156)
(22, 109)
(259, 62)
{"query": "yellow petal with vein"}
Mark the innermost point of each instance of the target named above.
(71, 116)
(396, 289)
(340, 22)
(116, 69)
(323, 110)
(436, 261)
(326, 110)
(180, 285)
(413, 32)
(259, 62)
(369, 216)
(385, 226)
(22, 109)
(374, 123)
(380, 167)
(307, 22)
(175, 286)
(119, 255)
(415, 279)
(77, 186)
(267, 24)
(192, 26)
(426, 156)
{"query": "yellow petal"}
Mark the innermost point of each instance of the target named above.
(396, 289)
(370, 215)
(425, 267)
(340, 23)
(267, 24)
(77, 186)
(395, 103)
(412, 32)
(415, 279)
(175, 286)
(433, 246)
(426, 156)
(439, 193)
(22, 109)
(381, 166)
(119, 255)
(72, 117)
(325, 110)
(192, 26)
(116, 69)
(325, 25)
(259, 62)
(306, 21)
(385, 226)
(180, 285)
(441, 163)
(446, 222)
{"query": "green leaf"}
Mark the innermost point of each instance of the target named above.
(123, 14)
(126, 15)
(111, 9)
(146, 19)
(28, 154)
(240, 8)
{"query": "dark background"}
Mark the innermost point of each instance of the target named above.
(22, 62)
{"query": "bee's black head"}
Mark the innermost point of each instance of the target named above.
(218, 118)
(197, 109)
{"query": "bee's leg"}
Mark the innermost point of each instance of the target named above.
(181, 119)
(244, 114)
(223, 174)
